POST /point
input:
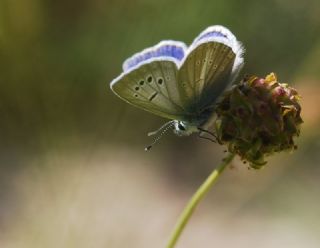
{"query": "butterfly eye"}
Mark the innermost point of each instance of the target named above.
(182, 128)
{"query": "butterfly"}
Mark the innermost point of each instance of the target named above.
(182, 83)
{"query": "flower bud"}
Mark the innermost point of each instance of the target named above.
(258, 117)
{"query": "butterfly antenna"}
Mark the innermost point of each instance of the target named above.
(162, 130)
(169, 123)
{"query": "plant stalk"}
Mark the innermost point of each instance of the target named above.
(195, 199)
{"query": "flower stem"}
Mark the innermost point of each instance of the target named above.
(195, 199)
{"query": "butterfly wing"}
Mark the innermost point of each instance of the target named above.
(149, 80)
(212, 62)
(173, 82)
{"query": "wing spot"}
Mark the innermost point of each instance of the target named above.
(137, 88)
(210, 62)
(215, 67)
(135, 95)
(160, 81)
(198, 62)
(149, 79)
(141, 82)
(168, 78)
(153, 96)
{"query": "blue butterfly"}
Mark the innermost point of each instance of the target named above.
(182, 83)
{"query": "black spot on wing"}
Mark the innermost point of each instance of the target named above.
(153, 96)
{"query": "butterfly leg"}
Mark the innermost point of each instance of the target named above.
(203, 137)
(208, 132)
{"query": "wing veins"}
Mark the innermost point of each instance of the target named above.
(169, 97)
(161, 93)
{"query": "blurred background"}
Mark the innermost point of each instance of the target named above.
(73, 171)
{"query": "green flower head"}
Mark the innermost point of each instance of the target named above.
(258, 117)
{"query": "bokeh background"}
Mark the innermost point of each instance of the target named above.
(73, 172)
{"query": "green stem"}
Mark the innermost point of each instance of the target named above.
(196, 198)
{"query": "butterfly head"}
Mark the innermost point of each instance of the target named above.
(184, 128)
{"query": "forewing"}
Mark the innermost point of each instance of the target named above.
(149, 80)
(210, 65)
